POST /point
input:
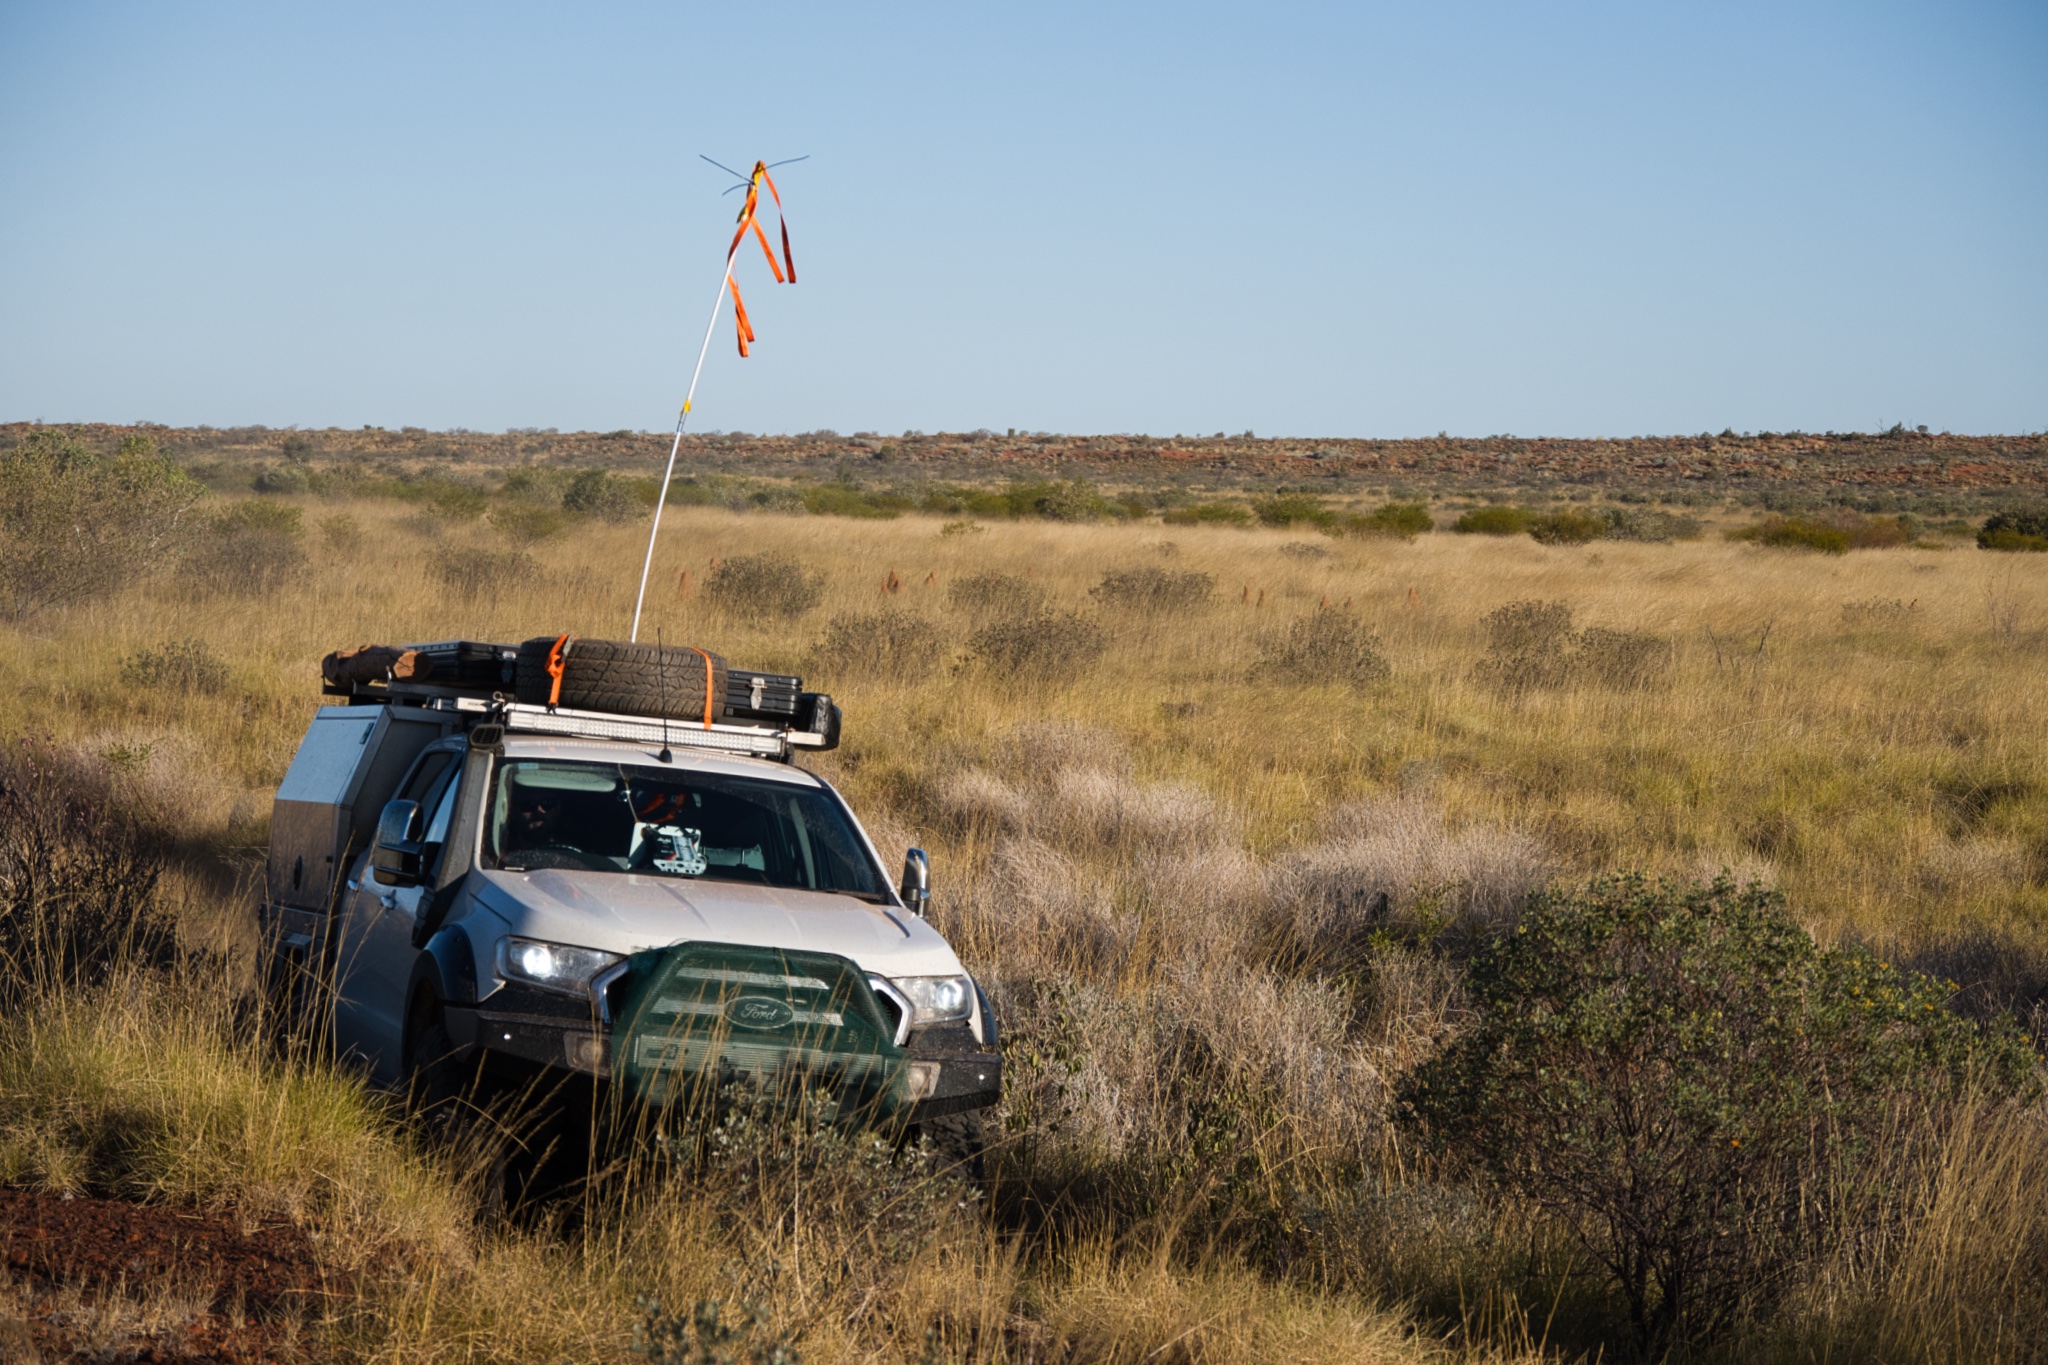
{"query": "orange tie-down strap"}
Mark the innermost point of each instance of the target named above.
(558, 656)
(710, 674)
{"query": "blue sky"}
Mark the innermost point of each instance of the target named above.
(1305, 219)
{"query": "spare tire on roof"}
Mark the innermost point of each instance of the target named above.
(626, 679)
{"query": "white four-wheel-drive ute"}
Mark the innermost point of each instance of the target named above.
(504, 865)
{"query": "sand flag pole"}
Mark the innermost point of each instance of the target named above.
(785, 273)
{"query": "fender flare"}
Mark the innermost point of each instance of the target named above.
(447, 967)
(988, 1019)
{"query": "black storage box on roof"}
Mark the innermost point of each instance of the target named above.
(469, 664)
(761, 696)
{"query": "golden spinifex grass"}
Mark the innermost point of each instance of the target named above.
(1209, 888)
(1882, 765)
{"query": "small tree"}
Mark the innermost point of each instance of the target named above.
(75, 525)
(1684, 1079)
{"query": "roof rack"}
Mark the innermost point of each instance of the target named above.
(759, 741)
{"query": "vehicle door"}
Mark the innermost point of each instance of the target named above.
(376, 955)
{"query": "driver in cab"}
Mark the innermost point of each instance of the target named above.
(536, 815)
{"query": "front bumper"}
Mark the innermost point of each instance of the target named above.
(945, 1071)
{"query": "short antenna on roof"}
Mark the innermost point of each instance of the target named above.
(661, 681)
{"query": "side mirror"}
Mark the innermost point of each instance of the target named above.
(917, 881)
(395, 861)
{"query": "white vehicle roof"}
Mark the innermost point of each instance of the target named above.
(519, 745)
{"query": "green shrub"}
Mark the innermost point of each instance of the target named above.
(341, 533)
(1568, 526)
(1404, 519)
(842, 500)
(769, 585)
(448, 499)
(179, 666)
(1837, 535)
(1154, 590)
(599, 493)
(1691, 1086)
(1294, 509)
(75, 525)
(247, 549)
(1493, 521)
(284, 478)
(1072, 500)
(1332, 646)
(1046, 645)
(2024, 530)
(879, 644)
(1629, 524)
(1209, 514)
(528, 522)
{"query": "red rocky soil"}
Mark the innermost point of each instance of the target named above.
(104, 1280)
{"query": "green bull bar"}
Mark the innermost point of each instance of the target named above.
(694, 1017)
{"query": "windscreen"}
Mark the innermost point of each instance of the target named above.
(666, 822)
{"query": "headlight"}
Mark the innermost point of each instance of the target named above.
(551, 966)
(937, 999)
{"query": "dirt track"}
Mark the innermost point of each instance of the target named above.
(109, 1280)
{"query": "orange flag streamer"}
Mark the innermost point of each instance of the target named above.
(750, 221)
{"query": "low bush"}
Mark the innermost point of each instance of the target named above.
(1332, 646)
(284, 478)
(878, 644)
(248, 549)
(180, 666)
(1404, 519)
(474, 574)
(1795, 533)
(1294, 509)
(78, 879)
(341, 533)
(994, 593)
(843, 500)
(528, 522)
(769, 585)
(1069, 500)
(1154, 590)
(1043, 645)
(599, 493)
(2023, 530)
(1532, 645)
(1527, 625)
(1621, 658)
(1834, 535)
(1209, 514)
(1568, 526)
(1625, 523)
(75, 525)
(1683, 1079)
(1493, 521)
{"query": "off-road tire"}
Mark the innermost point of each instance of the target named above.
(958, 1141)
(440, 1083)
(625, 679)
